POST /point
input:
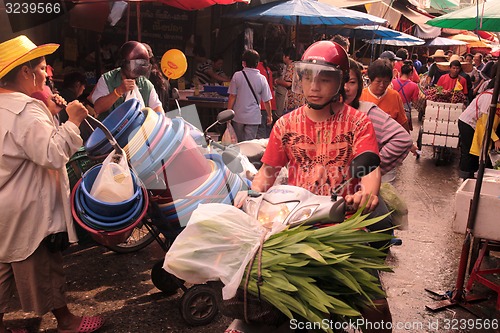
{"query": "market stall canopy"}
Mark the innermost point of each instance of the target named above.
(305, 12)
(445, 6)
(371, 32)
(401, 40)
(94, 14)
(199, 4)
(347, 3)
(483, 16)
(443, 41)
(471, 40)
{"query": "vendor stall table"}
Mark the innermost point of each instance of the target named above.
(207, 108)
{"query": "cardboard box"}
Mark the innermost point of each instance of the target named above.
(452, 141)
(429, 126)
(440, 140)
(427, 139)
(487, 224)
(453, 128)
(442, 127)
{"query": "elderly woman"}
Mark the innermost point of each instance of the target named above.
(389, 100)
(34, 188)
(394, 142)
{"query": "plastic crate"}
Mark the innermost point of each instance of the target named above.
(221, 90)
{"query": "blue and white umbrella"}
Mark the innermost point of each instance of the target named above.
(388, 36)
(306, 12)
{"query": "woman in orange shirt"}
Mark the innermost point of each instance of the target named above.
(379, 93)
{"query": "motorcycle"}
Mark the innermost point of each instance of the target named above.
(294, 206)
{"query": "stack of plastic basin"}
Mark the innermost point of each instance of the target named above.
(170, 158)
(109, 223)
(221, 186)
(123, 122)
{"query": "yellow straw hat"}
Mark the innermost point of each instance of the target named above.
(445, 65)
(439, 54)
(17, 51)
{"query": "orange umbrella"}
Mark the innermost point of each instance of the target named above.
(471, 40)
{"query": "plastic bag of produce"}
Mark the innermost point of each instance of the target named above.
(495, 159)
(217, 244)
(397, 204)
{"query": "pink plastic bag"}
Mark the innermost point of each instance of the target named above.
(229, 136)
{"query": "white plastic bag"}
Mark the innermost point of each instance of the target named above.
(229, 136)
(217, 244)
(114, 182)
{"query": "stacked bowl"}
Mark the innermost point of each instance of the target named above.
(166, 159)
(109, 223)
(123, 123)
(221, 186)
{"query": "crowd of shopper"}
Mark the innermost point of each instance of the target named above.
(327, 117)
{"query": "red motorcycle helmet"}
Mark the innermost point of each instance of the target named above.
(323, 57)
(134, 59)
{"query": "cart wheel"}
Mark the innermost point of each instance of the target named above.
(419, 138)
(165, 281)
(142, 235)
(438, 155)
(199, 305)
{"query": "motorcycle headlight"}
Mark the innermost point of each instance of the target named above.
(275, 213)
(303, 214)
(250, 207)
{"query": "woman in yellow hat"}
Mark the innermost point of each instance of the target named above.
(34, 189)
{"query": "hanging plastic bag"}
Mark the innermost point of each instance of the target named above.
(397, 204)
(229, 136)
(217, 244)
(114, 182)
(495, 159)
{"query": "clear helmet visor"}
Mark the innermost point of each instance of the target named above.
(308, 76)
(138, 67)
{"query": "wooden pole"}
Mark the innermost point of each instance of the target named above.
(138, 17)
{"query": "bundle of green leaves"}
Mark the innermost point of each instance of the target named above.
(321, 273)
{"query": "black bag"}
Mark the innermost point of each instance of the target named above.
(57, 242)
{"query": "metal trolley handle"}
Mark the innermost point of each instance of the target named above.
(107, 133)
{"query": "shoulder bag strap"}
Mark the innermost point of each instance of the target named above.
(401, 86)
(251, 88)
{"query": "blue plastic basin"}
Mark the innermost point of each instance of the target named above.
(106, 208)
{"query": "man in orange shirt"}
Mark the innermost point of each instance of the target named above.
(389, 100)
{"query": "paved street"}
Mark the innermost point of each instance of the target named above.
(119, 286)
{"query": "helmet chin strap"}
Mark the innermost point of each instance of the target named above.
(334, 99)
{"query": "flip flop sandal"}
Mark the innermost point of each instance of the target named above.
(87, 325)
(17, 330)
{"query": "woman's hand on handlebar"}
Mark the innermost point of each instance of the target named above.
(359, 198)
(240, 198)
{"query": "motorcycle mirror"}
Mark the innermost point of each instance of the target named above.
(232, 160)
(222, 117)
(364, 163)
(225, 116)
(175, 93)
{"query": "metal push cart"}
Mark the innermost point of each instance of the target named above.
(440, 129)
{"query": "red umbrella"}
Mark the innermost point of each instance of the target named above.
(198, 4)
(99, 10)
